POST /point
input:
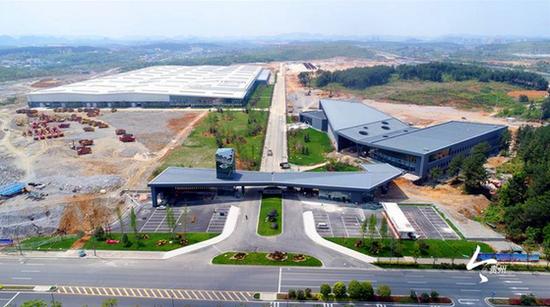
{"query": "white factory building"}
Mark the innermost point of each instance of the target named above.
(158, 87)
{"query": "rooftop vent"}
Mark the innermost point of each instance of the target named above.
(363, 132)
(365, 127)
(385, 122)
(386, 127)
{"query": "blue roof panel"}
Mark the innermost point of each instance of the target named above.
(11, 189)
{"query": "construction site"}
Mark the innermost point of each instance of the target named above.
(67, 170)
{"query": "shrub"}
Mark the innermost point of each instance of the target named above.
(423, 247)
(413, 296)
(355, 289)
(325, 291)
(308, 292)
(424, 297)
(274, 226)
(99, 234)
(339, 289)
(528, 299)
(367, 292)
(434, 294)
(383, 291)
(291, 294)
(300, 295)
(125, 241)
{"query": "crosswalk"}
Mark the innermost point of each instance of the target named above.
(176, 294)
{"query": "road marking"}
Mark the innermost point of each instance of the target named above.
(513, 281)
(417, 282)
(280, 275)
(11, 300)
(21, 278)
(466, 283)
(30, 271)
(518, 288)
(470, 290)
(468, 301)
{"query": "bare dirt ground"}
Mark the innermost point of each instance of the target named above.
(88, 186)
(529, 93)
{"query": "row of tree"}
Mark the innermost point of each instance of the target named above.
(363, 77)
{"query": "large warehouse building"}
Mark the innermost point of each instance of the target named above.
(359, 128)
(158, 87)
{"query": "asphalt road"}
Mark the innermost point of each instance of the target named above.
(275, 138)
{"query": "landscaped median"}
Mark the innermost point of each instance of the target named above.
(158, 242)
(271, 216)
(457, 249)
(276, 258)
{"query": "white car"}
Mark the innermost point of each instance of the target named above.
(322, 226)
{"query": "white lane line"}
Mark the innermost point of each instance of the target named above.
(21, 278)
(518, 288)
(470, 290)
(345, 228)
(280, 275)
(414, 276)
(35, 264)
(11, 300)
(466, 283)
(513, 281)
(30, 271)
(417, 282)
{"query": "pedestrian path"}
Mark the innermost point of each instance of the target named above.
(176, 294)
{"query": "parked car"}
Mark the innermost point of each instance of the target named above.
(322, 225)
(269, 152)
(284, 165)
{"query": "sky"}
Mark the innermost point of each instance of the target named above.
(219, 19)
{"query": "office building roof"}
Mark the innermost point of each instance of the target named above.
(197, 81)
(430, 139)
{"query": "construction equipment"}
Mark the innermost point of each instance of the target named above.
(127, 138)
(86, 142)
(120, 131)
(83, 150)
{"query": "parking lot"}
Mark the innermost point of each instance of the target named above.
(428, 223)
(342, 221)
(203, 218)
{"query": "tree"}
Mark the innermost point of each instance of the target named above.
(133, 222)
(455, 165)
(355, 290)
(120, 220)
(307, 292)
(523, 98)
(171, 221)
(325, 291)
(300, 295)
(367, 292)
(384, 291)
(372, 225)
(423, 247)
(339, 289)
(375, 247)
(415, 252)
(99, 234)
(434, 295)
(474, 172)
(545, 109)
(528, 299)
(364, 226)
(435, 174)
(505, 140)
(546, 251)
(384, 228)
(125, 240)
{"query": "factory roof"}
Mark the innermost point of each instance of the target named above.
(319, 114)
(197, 81)
(343, 114)
(430, 139)
(373, 176)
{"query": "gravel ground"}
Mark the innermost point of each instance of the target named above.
(8, 172)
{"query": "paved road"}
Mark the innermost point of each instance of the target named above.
(275, 138)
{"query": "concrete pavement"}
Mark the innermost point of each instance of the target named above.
(275, 137)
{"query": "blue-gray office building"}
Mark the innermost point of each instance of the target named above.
(371, 133)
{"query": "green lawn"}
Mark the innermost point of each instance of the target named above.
(48, 243)
(318, 146)
(261, 259)
(269, 203)
(151, 243)
(245, 132)
(261, 97)
(336, 167)
(437, 248)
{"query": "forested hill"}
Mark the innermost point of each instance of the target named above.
(525, 200)
(363, 77)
